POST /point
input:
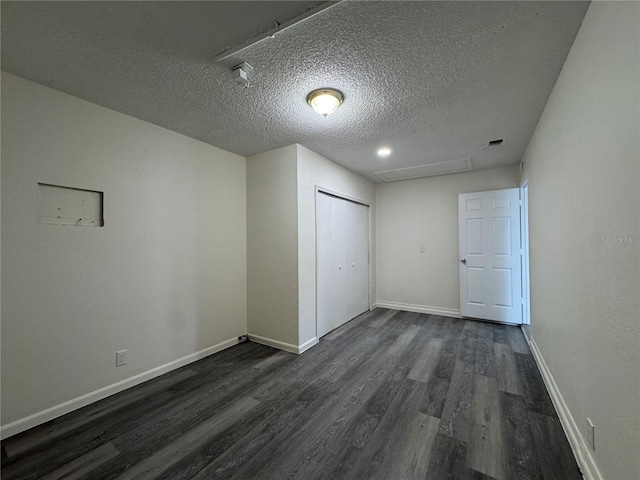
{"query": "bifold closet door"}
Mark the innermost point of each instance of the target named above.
(357, 240)
(331, 257)
(342, 256)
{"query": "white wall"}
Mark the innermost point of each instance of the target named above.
(583, 167)
(164, 278)
(314, 169)
(281, 251)
(424, 212)
(272, 247)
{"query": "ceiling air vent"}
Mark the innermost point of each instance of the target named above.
(495, 143)
(431, 170)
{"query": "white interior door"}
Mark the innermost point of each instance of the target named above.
(342, 256)
(490, 255)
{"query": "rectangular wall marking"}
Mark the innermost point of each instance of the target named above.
(76, 207)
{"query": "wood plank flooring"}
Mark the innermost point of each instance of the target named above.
(390, 395)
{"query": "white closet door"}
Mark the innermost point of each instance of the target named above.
(339, 259)
(358, 259)
(324, 266)
(331, 259)
(342, 256)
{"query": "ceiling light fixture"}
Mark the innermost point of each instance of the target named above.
(325, 100)
(384, 152)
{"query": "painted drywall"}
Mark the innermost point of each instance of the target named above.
(583, 168)
(272, 247)
(281, 250)
(315, 170)
(418, 213)
(164, 278)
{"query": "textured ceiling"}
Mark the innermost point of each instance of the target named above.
(434, 81)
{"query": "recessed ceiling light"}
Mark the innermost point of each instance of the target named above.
(325, 100)
(384, 152)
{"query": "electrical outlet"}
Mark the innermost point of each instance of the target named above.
(121, 358)
(591, 434)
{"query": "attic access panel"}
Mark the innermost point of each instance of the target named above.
(430, 170)
(58, 205)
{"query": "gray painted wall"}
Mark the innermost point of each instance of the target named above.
(164, 278)
(583, 167)
(424, 213)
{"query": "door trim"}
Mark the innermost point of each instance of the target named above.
(524, 239)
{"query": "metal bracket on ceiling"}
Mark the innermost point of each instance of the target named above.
(276, 29)
(242, 74)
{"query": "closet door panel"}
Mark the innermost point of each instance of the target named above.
(342, 261)
(357, 243)
(339, 221)
(324, 265)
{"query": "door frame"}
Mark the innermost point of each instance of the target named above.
(524, 249)
(319, 190)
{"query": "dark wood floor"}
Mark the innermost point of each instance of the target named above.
(391, 395)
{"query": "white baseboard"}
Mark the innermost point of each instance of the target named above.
(578, 444)
(407, 307)
(84, 400)
(287, 347)
(308, 344)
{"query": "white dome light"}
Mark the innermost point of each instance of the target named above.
(325, 101)
(384, 152)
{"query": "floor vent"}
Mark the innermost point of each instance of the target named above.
(431, 170)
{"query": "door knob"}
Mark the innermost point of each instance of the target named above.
(339, 267)
(464, 260)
